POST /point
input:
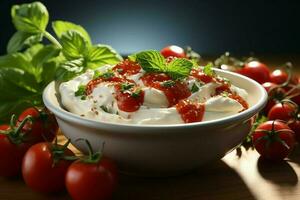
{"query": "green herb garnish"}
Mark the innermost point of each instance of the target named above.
(153, 61)
(104, 108)
(194, 88)
(81, 91)
(136, 93)
(208, 70)
(168, 83)
(126, 86)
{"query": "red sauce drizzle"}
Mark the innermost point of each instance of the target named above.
(226, 88)
(174, 93)
(200, 75)
(127, 67)
(190, 112)
(93, 83)
(126, 101)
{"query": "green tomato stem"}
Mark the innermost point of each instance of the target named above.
(52, 39)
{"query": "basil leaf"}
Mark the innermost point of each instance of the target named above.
(61, 27)
(49, 69)
(38, 60)
(179, 68)
(74, 46)
(30, 18)
(102, 54)
(32, 51)
(20, 40)
(20, 91)
(151, 61)
(16, 60)
(69, 70)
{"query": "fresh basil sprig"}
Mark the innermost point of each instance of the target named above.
(153, 61)
(30, 65)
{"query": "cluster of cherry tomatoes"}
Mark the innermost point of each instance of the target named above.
(27, 148)
(276, 138)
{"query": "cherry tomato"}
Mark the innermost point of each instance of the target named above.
(282, 111)
(273, 140)
(294, 124)
(44, 168)
(257, 71)
(174, 51)
(43, 127)
(279, 76)
(93, 181)
(11, 154)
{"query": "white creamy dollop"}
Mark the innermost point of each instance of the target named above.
(101, 104)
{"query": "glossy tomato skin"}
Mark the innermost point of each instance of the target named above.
(278, 76)
(39, 171)
(174, 51)
(274, 150)
(91, 181)
(256, 71)
(44, 125)
(11, 155)
(295, 126)
(282, 111)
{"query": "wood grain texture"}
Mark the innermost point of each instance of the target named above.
(246, 177)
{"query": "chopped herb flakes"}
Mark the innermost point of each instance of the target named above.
(126, 86)
(81, 92)
(136, 93)
(169, 83)
(194, 88)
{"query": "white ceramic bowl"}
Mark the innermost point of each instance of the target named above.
(162, 149)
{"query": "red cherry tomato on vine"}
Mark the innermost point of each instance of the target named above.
(42, 127)
(91, 181)
(282, 111)
(295, 126)
(273, 140)
(256, 71)
(174, 51)
(278, 76)
(93, 177)
(44, 168)
(11, 154)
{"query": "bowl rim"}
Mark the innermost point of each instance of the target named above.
(66, 115)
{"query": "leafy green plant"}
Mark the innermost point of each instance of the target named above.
(30, 65)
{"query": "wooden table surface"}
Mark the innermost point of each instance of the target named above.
(233, 177)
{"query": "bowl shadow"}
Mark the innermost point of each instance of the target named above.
(214, 181)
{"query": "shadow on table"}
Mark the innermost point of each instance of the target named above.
(280, 173)
(216, 181)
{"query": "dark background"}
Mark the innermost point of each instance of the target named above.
(210, 27)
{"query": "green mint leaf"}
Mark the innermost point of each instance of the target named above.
(30, 18)
(61, 27)
(74, 45)
(151, 61)
(81, 91)
(21, 40)
(179, 68)
(32, 51)
(100, 55)
(169, 83)
(132, 57)
(126, 86)
(194, 88)
(49, 69)
(69, 70)
(208, 70)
